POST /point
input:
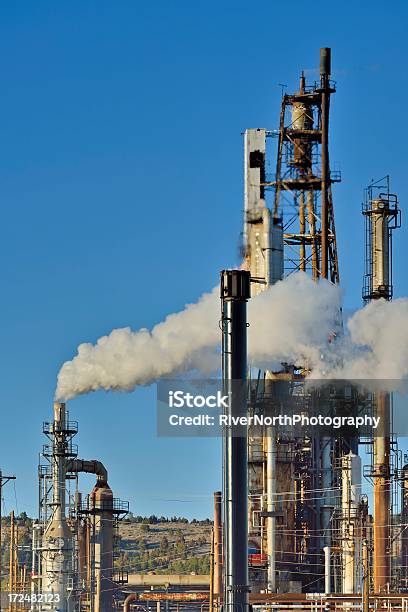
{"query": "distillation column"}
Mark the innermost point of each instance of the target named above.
(57, 538)
(235, 291)
(102, 525)
(382, 216)
(263, 257)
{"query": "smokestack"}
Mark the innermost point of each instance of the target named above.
(325, 61)
(235, 291)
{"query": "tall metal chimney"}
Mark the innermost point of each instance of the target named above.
(235, 291)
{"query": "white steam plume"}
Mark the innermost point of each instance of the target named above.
(291, 321)
(377, 344)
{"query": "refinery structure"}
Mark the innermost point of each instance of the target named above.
(305, 522)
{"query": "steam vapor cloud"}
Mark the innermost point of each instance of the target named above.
(292, 321)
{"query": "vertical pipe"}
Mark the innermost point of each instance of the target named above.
(312, 229)
(88, 554)
(302, 230)
(211, 602)
(92, 564)
(1, 536)
(34, 569)
(82, 554)
(235, 291)
(15, 561)
(327, 570)
(271, 507)
(102, 506)
(351, 485)
(382, 497)
(327, 485)
(217, 544)
(325, 102)
(404, 515)
(366, 577)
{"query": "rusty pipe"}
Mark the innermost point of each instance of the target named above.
(90, 467)
(382, 496)
(128, 601)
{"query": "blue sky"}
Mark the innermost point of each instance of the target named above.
(121, 193)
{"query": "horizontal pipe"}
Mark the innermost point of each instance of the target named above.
(168, 579)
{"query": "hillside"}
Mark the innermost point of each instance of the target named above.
(144, 544)
(164, 546)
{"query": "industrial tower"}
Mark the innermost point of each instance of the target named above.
(296, 232)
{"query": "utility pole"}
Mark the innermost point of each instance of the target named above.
(3, 480)
(12, 573)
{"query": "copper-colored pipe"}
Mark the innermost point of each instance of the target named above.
(128, 601)
(382, 497)
(211, 604)
(217, 544)
(173, 596)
